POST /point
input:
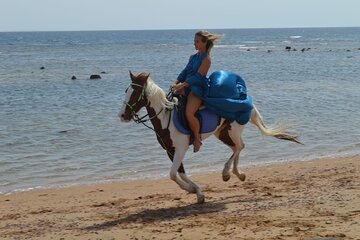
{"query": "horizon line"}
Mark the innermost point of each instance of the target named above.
(173, 29)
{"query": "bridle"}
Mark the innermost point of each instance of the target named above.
(141, 97)
(142, 119)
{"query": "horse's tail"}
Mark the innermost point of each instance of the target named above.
(278, 132)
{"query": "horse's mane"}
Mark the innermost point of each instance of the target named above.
(157, 96)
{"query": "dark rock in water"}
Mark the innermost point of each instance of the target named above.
(248, 50)
(95, 76)
(269, 51)
(103, 72)
(42, 68)
(294, 49)
(288, 48)
(305, 49)
(73, 78)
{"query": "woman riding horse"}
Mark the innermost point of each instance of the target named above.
(143, 92)
(196, 71)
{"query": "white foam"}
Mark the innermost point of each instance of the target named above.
(230, 46)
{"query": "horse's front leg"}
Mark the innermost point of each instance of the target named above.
(184, 182)
(194, 188)
(177, 160)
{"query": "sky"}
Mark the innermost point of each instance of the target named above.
(74, 15)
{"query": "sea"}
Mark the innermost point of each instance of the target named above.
(58, 132)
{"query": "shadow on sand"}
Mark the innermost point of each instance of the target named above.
(167, 214)
(162, 214)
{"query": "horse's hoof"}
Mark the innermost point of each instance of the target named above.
(226, 177)
(242, 176)
(200, 198)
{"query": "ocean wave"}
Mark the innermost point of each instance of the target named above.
(295, 37)
(3, 184)
(230, 46)
(318, 39)
(254, 42)
(18, 190)
(168, 44)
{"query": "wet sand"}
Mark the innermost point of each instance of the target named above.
(317, 199)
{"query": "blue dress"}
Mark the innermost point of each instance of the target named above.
(223, 92)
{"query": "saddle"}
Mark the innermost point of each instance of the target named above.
(208, 120)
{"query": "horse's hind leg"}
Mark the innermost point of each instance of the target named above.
(227, 166)
(230, 134)
(241, 175)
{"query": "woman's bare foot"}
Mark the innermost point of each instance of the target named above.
(197, 144)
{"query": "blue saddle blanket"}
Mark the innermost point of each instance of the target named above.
(225, 94)
(208, 121)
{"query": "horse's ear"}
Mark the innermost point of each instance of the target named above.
(143, 76)
(132, 76)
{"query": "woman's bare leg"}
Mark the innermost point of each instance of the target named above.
(192, 106)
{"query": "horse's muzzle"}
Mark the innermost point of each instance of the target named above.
(124, 117)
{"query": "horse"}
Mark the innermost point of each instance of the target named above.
(143, 92)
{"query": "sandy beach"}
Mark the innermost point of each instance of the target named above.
(317, 199)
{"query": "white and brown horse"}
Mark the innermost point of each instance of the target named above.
(143, 92)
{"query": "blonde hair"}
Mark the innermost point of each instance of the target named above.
(209, 38)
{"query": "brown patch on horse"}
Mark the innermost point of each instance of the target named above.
(163, 137)
(224, 133)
